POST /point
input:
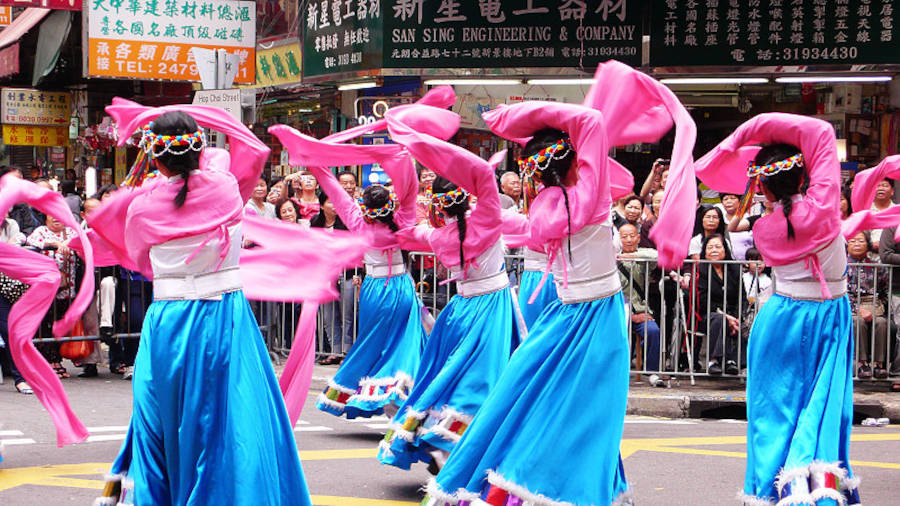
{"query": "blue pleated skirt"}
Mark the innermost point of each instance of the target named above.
(800, 403)
(550, 429)
(468, 348)
(381, 365)
(527, 284)
(209, 424)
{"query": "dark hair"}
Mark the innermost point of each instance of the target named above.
(847, 193)
(6, 169)
(557, 170)
(67, 186)
(281, 204)
(752, 254)
(728, 255)
(458, 211)
(103, 190)
(177, 123)
(375, 197)
(420, 169)
(348, 173)
(784, 184)
(723, 195)
(721, 229)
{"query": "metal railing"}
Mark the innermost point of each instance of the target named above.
(689, 323)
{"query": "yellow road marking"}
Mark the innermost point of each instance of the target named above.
(62, 475)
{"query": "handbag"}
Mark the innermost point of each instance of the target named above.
(12, 289)
(76, 350)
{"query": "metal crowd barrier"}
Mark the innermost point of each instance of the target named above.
(684, 321)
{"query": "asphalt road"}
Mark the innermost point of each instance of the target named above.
(668, 462)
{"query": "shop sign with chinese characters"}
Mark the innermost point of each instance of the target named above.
(24, 106)
(772, 32)
(152, 39)
(278, 65)
(344, 35)
(5, 15)
(30, 135)
(67, 5)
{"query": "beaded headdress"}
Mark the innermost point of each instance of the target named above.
(439, 201)
(533, 166)
(371, 214)
(153, 145)
(755, 172)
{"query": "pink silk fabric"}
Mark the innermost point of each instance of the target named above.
(411, 126)
(638, 108)
(864, 186)
(42, 274)
(289, 264)
(817, 218)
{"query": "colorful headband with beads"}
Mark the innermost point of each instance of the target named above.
(773, 168)
(371, 214)
(447, 199)
(156, 145)
(535, 164)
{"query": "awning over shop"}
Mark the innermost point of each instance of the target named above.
(51, 37)
(20, 26)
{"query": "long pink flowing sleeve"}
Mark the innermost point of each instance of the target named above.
(589, 198)
(407, 126)
(292, 263)
(864, 186)
(26, 314)
(638, 108)
(817, 218)
(442, 97)
(248, 154)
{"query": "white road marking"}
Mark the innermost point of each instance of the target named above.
(106, 437)
(5, 433)
(18, 441)
(312, 428)
(378, 426)
(108, 428)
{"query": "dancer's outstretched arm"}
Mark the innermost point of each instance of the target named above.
(864, 186)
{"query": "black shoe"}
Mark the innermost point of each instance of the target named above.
(90, 371)
(880, 373)
(731, 367)
(865, 372)
(714, 368)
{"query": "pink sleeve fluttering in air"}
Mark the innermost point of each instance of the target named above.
(817, 218)
(409, 126)
(638, 108)
(864, 185)
(293, 263)
(42, 274)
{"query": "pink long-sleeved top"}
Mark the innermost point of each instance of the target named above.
(864, 185)
(815, 216)
(482, 247)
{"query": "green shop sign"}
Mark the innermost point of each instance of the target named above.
(470, 34)
(773, 32)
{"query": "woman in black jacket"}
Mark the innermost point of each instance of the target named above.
(721, 303)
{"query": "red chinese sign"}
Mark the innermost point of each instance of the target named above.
(69, 5)
(9, 60)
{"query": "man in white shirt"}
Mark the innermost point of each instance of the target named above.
(511, 190)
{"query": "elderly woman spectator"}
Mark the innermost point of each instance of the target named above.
(722, 304)
(634, 265)
(257, 203)
(53, 238)
(867, 288)
(289, 211)
(710, 220)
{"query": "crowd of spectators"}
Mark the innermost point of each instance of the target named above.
(711, 301)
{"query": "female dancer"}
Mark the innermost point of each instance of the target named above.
(550, 429)
(475, 334)
(379, 369)
(800, 354)
(209, 425)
